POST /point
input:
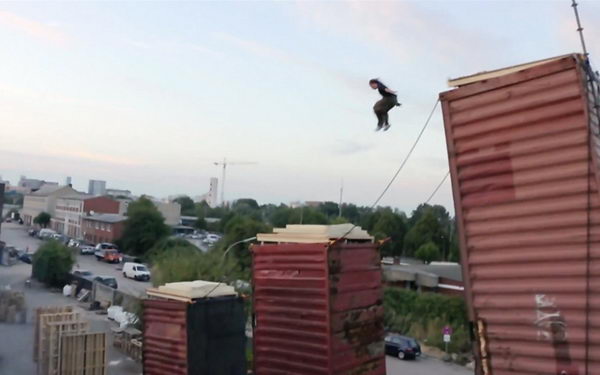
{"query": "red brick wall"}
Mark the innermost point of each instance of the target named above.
(97, 235)
(103, 205)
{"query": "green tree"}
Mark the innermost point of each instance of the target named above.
(428, 252)
(188, 208)
(390, 224)
(144, 228)
(43, 219)
(237, 229)
(330, 209)
(427, 229)
(52, 263)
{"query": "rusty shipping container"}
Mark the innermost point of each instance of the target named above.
(205, 337)
(318, 309)
(524, 151)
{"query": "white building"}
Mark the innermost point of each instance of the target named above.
(43, 200)
(212, 197)
(97, 187)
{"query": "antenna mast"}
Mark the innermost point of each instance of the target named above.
(579, 28)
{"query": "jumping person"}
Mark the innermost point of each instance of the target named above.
(388, 101)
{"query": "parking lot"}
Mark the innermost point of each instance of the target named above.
(16, 235)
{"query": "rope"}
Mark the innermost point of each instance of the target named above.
(385, 190)
(437, 187)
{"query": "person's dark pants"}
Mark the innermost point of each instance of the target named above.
(382, 108)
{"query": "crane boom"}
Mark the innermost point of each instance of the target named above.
(224, 164)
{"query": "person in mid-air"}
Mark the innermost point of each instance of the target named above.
(388, 101)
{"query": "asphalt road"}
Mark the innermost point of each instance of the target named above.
(423, 366)
(16, 235)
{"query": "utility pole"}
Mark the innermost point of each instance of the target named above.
(224, 164)
(341, 198)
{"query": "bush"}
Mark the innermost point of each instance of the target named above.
(424, 315)
(428, 252)
(182, 263)
(52, 263)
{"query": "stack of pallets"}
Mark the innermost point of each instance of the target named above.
(63, 345)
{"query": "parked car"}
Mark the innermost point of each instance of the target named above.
(83, 273)
(45, 233)
(108, 255)
(32, 232)
(26, 257)
(86, 250)
(136, 271)
(403, 347)
(8, 220)
(107, 280)
(212, 238)
(106, 245)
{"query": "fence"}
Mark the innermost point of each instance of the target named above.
(108, 296)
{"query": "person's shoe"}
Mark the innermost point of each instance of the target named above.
(378, 128)
(386, 127)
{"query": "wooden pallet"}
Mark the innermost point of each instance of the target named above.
(45, 310)
(83, 354)
(49, 350)
(44, 319)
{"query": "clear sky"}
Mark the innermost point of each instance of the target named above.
(146, 95)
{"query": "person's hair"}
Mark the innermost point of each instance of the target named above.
(374, 80)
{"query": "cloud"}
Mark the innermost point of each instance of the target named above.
(38, 30)
(267, 52)
(402, 29)
(346, 147)
(173, 46)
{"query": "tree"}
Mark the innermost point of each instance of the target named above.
(188, 208)
(43, 219)
(52, 263)
(330, 209)
(144, 227)
(390, 224)
(428, 252)
(237, 229)
(427, 229)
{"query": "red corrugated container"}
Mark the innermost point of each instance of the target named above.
(318, 309)
(204, 337)
(523, 150)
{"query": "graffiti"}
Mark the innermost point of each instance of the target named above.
(549, 321)
(551, 326)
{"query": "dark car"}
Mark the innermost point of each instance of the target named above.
(83, 273)
(403, 347)
(107, 280)
(32, 232)
(25, 257)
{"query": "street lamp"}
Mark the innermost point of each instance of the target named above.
(237, 243)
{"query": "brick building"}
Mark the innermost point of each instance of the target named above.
(71, 209)
(98, 228)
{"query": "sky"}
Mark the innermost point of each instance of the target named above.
(148, 95)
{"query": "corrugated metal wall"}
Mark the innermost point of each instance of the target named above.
(165, 338)
(528, 208)
(318, 310)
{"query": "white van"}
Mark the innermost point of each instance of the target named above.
(136, 271)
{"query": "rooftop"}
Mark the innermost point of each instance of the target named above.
(315, 233)
(106, 218)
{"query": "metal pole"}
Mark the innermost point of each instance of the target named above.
(341, 198)
(579, 28)
(223, 183)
